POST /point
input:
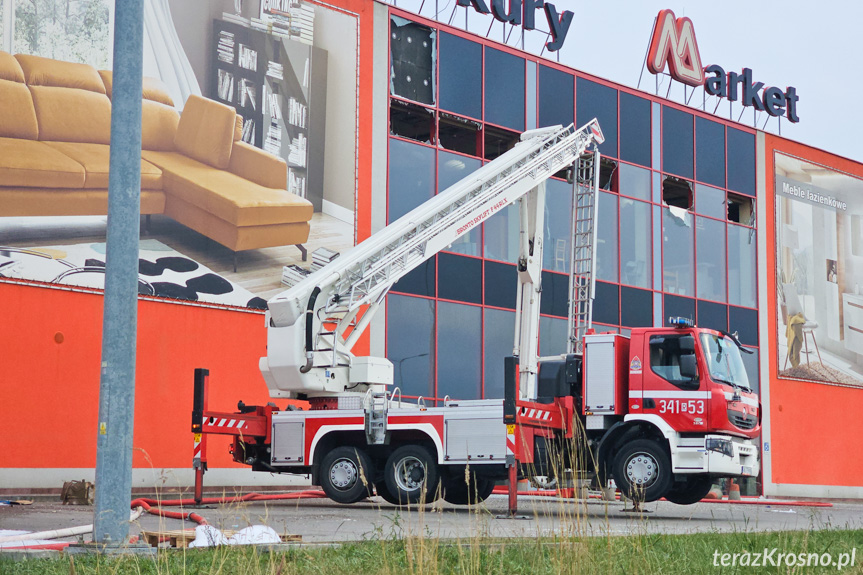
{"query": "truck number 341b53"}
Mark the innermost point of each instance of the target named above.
(678, 406)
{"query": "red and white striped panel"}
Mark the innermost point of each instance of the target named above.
(533, 413)
(229, 423)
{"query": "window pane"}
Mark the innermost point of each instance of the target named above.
(741, 161)
(420, 280)
(635, 243)
(460, 278)
(555, 97)
(501, 235)
(460, 75)
(712, 315)
(741, 266)
(558, 224)
(676, 142)
(710, 202)
(600, 102)
(678, 257)
(500, 285)
(555, 294)
(452, 168)
(634, 181)
(459, 335)
(606, 306)
(504, 89)
(745, 323)
(69, 31)
(531, 95)
(634, 129)
(499, 337)
(711, 259)
(412, 49)
(750, 362)
(710, 152)
(552, 336)
(676, 306)
(410, 343)
(606, 249)
(636, 307)
(411, 177)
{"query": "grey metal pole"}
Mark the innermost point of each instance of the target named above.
(120, 315)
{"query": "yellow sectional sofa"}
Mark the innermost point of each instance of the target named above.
(55, 131)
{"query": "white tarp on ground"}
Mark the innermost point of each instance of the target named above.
(209, 536)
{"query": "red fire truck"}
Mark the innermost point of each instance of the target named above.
(663, 412)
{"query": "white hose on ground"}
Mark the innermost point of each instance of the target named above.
(67, 532)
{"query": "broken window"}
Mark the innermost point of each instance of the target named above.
(459, 134)
(412, 57)
(412, 121)
(741, 209)
(498, 141)
(677, 193)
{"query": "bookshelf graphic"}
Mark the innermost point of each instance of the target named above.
(269, 71)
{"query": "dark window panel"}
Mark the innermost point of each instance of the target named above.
(500, 284)
(412, 121)
(600, 102)
(460, 278)
(556, 103)
(410, 343)
(459, 341)
(634, 129)
(555, 294)
(498, 141)
(710, 152)
(741, 161)
(606, 306)
(504, 89)
(712, 315)
(676, 306)
(460, 76)
(412, 48)
(636, 307)
(498, 336)
(745, 323)
(411, 177)
(419, 281)
(676, 142)
(750, 362)
(459, 134)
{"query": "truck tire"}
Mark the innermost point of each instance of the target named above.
(411, 475)
(346, 474)
(383, 491)
(642, 470)
(458, 492)
(692, 490)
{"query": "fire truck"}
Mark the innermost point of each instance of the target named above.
(663, 412)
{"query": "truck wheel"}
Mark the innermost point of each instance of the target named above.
(346, 474)
(457, 492)
(411, 475)
(692, 490)
(383, 491)
(642, 470)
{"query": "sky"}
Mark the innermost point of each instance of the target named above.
(814, 46)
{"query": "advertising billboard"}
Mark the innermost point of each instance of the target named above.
(819, 252)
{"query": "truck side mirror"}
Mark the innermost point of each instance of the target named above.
(688, 366)
(687, 344)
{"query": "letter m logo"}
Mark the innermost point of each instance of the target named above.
(674, 42)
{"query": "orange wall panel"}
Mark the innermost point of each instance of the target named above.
(814, 427)
(51, 349)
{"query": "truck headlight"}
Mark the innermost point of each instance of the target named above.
(720, 445)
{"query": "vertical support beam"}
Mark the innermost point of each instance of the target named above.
(120, 315)
(199, 408)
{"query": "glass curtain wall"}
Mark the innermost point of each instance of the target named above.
(675, 213)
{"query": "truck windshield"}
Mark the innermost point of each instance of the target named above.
(724, 361)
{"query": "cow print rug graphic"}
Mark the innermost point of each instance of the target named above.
(162, 272)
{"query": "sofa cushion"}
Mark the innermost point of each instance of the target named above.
(31, 164)
(238, 130)
(159, 126)
(226, 195)
(206, 131)
(96, 158)
(17, 114)
(39, 71)
(10, 69)
(16, 201)
(70, 115)
(258, 166)
(154, 89)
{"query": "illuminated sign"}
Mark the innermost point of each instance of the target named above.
(523, 13)
(673, 42)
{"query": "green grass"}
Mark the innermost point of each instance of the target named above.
(629, 555)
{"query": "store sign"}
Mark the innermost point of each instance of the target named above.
(673, 43)
(523, 13)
